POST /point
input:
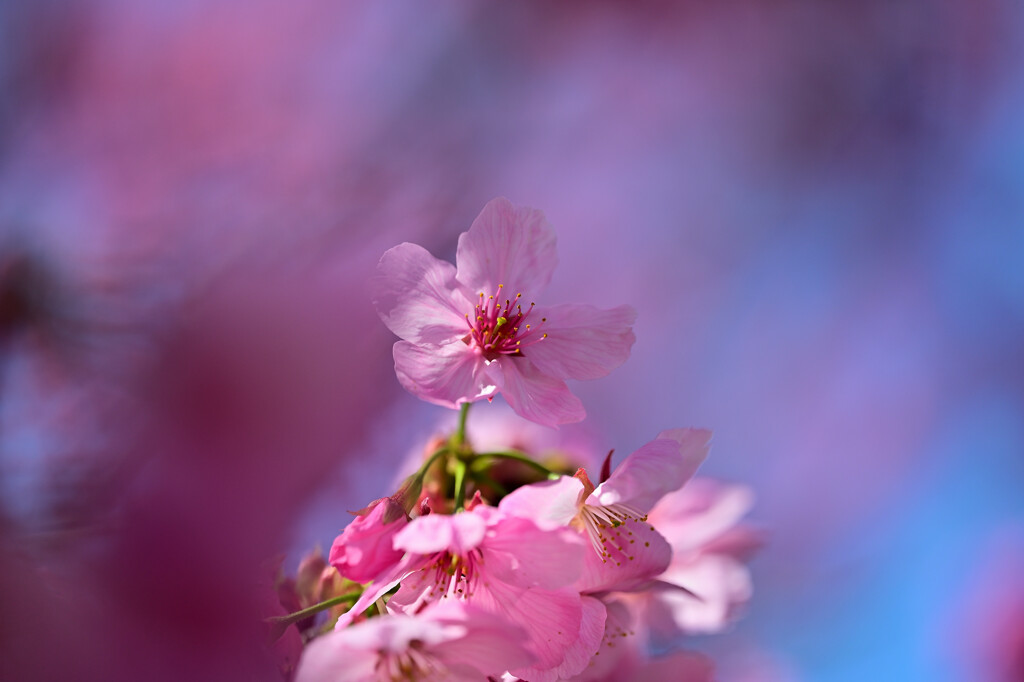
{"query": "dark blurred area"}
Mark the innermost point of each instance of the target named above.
(817, 209)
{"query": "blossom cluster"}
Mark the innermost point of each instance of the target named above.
(492, 564)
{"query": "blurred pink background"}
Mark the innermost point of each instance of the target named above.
(817, 209)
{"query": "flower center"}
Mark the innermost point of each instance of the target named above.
(498, 326)
(452, 575)
(610, 529)
(411, 664)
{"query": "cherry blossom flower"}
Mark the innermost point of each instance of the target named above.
(628, 553)
(447, 642)
(472, 331)
(502, 564)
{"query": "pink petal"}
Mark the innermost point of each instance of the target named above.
(656, 469)
(444, 375)
(551, 618)
(581, 652)
(620, 652)
(417, 296)
(332, 658)
(510, 245)
(637, 554)
(536, 396)
(492, 644)
(583, 342)
(364, 550)
(458, 534)
(519, 553)
(551, 504)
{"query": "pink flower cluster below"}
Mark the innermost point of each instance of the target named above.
(563, 580)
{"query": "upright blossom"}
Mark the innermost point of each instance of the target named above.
(472, 331)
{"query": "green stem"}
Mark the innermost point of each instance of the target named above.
(314, 609)
(443, 450)
(460, 484)
(459, 437)
(521, 457)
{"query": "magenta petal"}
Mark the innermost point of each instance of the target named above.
(583, 342)
(550, 504)
(443, 375)
(656, 469)
(363, 550)
(510, 245)
(637, 554)
(536, 396)
(417, 296)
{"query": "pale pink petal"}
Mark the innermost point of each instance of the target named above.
(740, 543)
(332, 658)
(510, 245)
(536, 396)
(583, 342)
(457, 533)
(700, 511)
(636, 555)
(720, 586)
(417, 296)
(656, 469)
(444, 375)
(364, 549)
(519, 553)
(550, 504)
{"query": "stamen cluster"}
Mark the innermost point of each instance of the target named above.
(496, 329)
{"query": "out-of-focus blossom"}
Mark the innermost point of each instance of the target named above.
(468, 332)
(701, 522)
(448, 642)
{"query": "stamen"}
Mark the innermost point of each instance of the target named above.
(602, 525)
